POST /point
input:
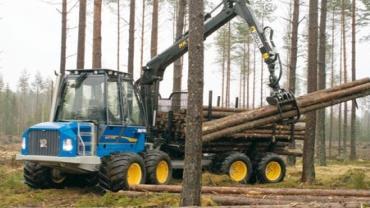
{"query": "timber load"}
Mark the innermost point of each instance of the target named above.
(175, 123)
(240, 122)
(255, 130)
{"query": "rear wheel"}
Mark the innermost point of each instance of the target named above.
(271, 169)
(37, 176)
(119, 172)
(238, 167)
(158, 167)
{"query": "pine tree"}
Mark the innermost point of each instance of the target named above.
(81, 35)
(97, 54)
(353, 154)
(293, 61)
(154, 34)
(191, 192)
(321, 115)
(177, 74)
(131, 42)
(64, 38)
(308, 172)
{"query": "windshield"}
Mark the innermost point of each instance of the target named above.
(83, 99)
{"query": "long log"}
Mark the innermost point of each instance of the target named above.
(266, 115)
(270, 200)
(257, 136)
(307, 198)
(271, 132)
(304, 101)
(256, 191)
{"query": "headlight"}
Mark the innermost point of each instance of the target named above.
(67, 145)
(24, 143)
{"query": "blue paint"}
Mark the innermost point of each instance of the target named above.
(112, 139)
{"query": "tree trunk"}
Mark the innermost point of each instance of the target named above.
(142, 36)
(308, 172)
(118, 34)
(322, 84)
(154, 38)
(262, 65)
(345, 115)
(228, 67)
(353, 154)
(243, 77)
(293, 61)
(64, 38)
(332, 83)
(177, 74)
(254, 77)
(97, 35)
(191, 190)
(223, 69)
(249, 69)
(131, 42)
(81, 35)
(340, 126)
(244, 74)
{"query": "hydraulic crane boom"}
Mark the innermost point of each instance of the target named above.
(154, 70)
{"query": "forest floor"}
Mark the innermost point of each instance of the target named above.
(14, 193)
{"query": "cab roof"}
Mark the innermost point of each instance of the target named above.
(99, 71)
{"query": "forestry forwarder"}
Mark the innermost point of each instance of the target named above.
(100, 131)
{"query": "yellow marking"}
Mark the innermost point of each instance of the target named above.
(129, 139)
(266, 56)
(253, 29)
(183, 44)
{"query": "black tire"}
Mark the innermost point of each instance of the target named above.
(177, 174)
(278, 166)
(154, 158)
(37, 176)
(237, 158)
(114, 171)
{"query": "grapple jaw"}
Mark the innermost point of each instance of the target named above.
(281, 98)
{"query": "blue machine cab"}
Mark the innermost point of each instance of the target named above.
(96, 114)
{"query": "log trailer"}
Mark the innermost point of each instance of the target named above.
(103, 128)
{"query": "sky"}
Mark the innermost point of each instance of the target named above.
(30, 40)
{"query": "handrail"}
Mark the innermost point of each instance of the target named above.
(81, 140)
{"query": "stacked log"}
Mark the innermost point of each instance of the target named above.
(238, 127)
(240, 122)
(178, 127)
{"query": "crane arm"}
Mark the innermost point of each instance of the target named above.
(154, 70)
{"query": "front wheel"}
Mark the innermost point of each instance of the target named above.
(119, 172)
(37, 176)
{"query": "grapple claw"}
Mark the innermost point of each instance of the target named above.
(281, 98)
